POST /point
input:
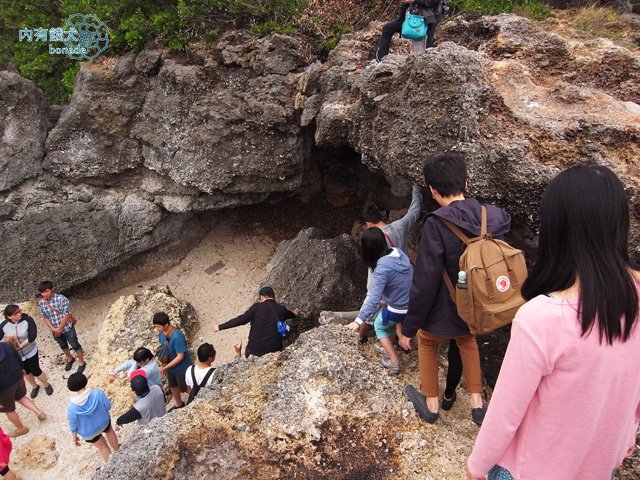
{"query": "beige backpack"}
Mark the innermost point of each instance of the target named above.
(495, 273)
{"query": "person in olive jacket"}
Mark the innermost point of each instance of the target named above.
(432, 315)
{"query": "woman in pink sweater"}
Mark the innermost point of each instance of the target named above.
(567, 402)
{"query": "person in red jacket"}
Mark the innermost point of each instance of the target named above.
(5, 453)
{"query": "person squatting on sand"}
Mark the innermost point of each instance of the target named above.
(144, 360)
(567, 400)
(21, 331)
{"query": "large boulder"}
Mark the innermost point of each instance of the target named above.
(313, 273)
(127, 327)
(522, 100)
(71, 233)
(320, 409)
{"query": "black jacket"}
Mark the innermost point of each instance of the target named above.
(430, 9)
(263, 335)
(430, 306)
(10, 366)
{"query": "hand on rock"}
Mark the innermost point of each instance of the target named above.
(353, 326)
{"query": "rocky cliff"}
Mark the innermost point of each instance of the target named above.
(151, 141)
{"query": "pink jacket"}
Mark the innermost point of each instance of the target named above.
(5, 448)
(565, 406)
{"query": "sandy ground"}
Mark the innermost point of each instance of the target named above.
(216, 296)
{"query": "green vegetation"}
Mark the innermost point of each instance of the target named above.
(175, 23)
(604, 22)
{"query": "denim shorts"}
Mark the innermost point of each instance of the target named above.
(69, 339)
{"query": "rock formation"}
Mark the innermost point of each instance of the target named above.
(127, 327)
(312, 273)
(150, 141)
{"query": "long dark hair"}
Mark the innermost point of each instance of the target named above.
(584, 233)
(374, 246)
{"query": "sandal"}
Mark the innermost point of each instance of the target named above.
(419, 402)
(16, 433)
(34, 391)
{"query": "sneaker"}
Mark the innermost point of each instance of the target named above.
(447, 403)
(16, 433)
(67, 366)
(81, 368)
(48, 390)
(175, 407)
(372, 64)
(34, 392)
(419, 402)
(477, 415)
(392, 367)
(380, 349)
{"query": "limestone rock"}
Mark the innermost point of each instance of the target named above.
(322, 408)
(39, 453)
(127, 327)
(71, 233)
(313, 273)
(23, 129)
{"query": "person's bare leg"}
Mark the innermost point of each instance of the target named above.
(15, 419)
(30, 380)
(103, 448)
(27, 403)
(177, 399)
(42, 378)
(10, 475)
(112, 440)
(387, 344)
(67, 353)
(80, 356)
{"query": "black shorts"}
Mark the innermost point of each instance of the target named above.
(97, 437)
(32, 366)
(177, 380)
(11, 395)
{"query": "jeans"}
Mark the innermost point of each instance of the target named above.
(69, 338)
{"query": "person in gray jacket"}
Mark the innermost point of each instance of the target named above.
(20, 330)
(149, 402)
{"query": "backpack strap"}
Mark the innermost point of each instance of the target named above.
(197, 386)
(447, 282)
(483, 220)
(207, 377)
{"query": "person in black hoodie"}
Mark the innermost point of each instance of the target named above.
(432, 315)
(263, 316)
(431, 10)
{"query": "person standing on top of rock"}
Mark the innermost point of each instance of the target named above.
(432, 314)
(175, 352)
(431, 10)
(55, 310)
(264, 316)
(22, 328)
(396, 234)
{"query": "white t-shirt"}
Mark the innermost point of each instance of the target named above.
(200, 374)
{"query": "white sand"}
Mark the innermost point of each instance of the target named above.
(217, 297)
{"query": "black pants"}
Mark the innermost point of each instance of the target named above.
(395, 26)
(454, 372)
